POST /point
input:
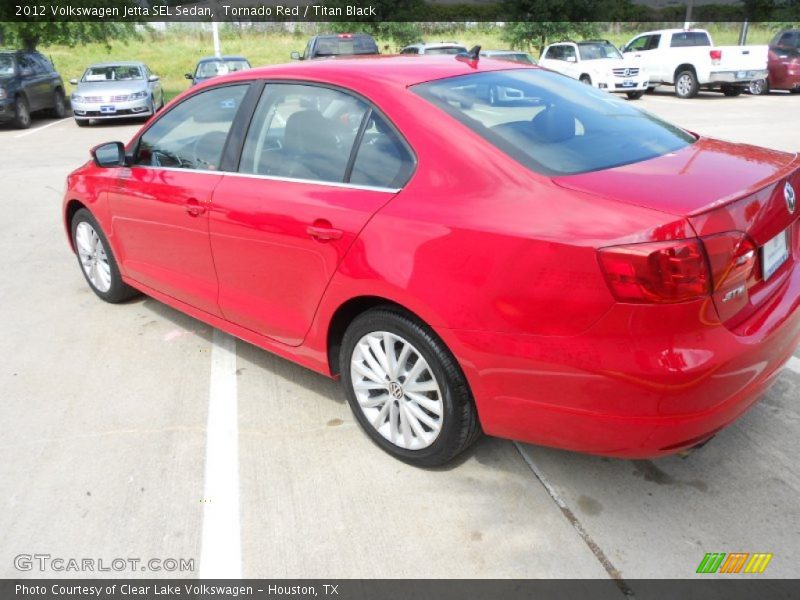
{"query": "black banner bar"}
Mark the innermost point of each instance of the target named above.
(712, 588)
(362, 11)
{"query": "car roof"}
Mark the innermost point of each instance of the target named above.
(117, 63)
(223, 57)
(360, 72)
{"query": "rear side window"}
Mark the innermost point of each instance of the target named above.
(689, 38)
(302, 132)
(552, 124)
(555, 53)
(382, 159)
(192, 135)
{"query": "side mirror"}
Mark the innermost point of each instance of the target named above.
(153, 78)
(295, 55)
(189, 76)
(73, 81)
(111, 154)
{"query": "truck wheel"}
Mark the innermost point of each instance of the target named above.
(635, 95)
(731, 90)
(758, 87)
(586, 79)
(686, 84)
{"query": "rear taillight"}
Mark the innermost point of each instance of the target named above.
(656, 272)
(733, 257)
(716, 56)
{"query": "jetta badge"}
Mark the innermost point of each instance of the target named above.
(791, 199)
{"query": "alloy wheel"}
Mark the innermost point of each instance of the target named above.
(397, 390)
(93, 256)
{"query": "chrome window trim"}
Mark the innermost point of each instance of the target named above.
(336, 184)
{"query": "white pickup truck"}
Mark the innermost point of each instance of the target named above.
(687, 59)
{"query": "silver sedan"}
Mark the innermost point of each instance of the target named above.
(116, 90)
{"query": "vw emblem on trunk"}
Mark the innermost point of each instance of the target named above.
(791, 199)
(627, 72)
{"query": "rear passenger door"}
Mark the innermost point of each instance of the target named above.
(316, 164)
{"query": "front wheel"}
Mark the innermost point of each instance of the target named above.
(686, 85)
(585, 79)
(635, 95)
(406, 389)
(758, 87)
(22, 114)
(96, 259)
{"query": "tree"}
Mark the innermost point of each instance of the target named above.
(30, 34)
(538, 34)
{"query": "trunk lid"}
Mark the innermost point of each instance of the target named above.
(738, 199)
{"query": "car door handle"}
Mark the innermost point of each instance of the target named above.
(194, 208)
(324, 234)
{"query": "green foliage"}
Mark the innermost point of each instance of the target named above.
(529, 35)
(401, 33)
(30, 34)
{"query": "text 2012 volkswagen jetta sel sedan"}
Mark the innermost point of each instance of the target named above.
(566, 270)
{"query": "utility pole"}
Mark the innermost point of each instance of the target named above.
(688, 20)
(215, 33)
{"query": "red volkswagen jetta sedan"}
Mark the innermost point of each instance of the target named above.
(562, 268)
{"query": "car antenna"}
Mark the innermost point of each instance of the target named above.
(472, 56)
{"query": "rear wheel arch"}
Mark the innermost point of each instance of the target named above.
(684, 67)
(345, 314)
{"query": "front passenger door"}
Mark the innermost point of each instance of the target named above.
(160, 203)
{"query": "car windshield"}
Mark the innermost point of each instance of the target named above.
(595, 50)
(553, 124)
(212, 68)
(523, 58)
(345, 46)
(113, 73)
(445, 50)
(6, 65)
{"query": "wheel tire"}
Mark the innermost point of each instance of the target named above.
(731, 91)
(794, 91)
(59, 110)
(759, 87)
(22, 114)
(106, 283)
(650, 90)
(586, 79)
(686, 85)
(458, 422)
(635, 95)
(82, 122)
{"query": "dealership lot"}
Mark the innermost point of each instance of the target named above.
(106, 438)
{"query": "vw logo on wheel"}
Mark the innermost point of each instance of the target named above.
(396, 390)
(789, 195)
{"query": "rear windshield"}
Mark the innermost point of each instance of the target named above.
(445, 50)
(113, 73)
(689, 38)
(6, 65)
(338, 46)
(223, 66)
(553, 124)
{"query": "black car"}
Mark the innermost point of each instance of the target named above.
(338, 44)
(28, 84)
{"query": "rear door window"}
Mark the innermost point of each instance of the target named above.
(382, 159)
(302, 132)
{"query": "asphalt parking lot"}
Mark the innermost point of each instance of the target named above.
(106, 410)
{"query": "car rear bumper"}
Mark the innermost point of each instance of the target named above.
(644, 381)
(740, 77)
(789, 79)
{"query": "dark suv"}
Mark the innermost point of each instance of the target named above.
(28, 83)
(338, 44)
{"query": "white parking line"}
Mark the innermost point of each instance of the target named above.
(221, 550)
(794, 364)
(32, 131)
